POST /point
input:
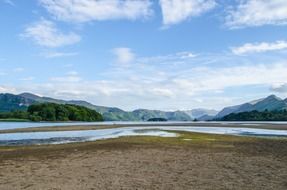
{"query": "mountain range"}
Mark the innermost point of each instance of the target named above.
(200, 113)
(270, 103)
(9, 102)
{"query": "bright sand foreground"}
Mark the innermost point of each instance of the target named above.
(190, 161)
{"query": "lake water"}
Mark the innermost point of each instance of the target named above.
(20, 125)
(37, 138)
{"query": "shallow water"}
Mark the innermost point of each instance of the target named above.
(59, 137)
(21, 125)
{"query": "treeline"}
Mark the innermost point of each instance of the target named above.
(54, 112)
(257, 116)
(157, 119)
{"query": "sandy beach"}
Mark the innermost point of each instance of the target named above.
(190, 161)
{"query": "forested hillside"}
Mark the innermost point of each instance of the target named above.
(257, 116)
(54, 112)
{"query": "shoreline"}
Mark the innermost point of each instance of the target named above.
(108, 126)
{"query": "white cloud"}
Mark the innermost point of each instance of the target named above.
(27, 79)
(254, 74)
(257, 13)
(259, 47)
(7, 89)
(162, 92)
(123, 55)
(45, 33)
(150, 91)
(176, 11)
(97, 10)
(185, 55)
(72, 73)
(70, 77)
(169, 86)
(175, 58)
(281, 87)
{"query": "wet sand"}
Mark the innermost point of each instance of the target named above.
(191, 161)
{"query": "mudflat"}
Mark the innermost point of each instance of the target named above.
(190, 161)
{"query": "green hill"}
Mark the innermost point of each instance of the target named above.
(257, 116)
(271, 103)
(10, 102)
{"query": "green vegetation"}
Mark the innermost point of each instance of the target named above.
(54, 112)
(9, 102)
(157, 119)
(257, 116)
(14, 116)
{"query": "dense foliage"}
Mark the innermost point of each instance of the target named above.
(21, 115)
(55, 112)
(257, 116)
(157, 119)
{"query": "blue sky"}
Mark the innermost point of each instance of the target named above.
(155, 54)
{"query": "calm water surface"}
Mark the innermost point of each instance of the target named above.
(58, 137)
(21, 125)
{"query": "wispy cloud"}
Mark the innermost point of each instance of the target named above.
(10, 2)
(281, 87)
(259, 47)
(174, 58)
(70, 77)
(176, 11)
(27, 79)
(257, 13)
(124, 55)
(75, 73)
(7, 89)
(154, 86)
(99, 10)
(58, 54)
(45, 33)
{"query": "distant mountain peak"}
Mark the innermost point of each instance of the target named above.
(199, 112)
(29, 95)
(273, 97)
(270, 103)
(255, 101)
